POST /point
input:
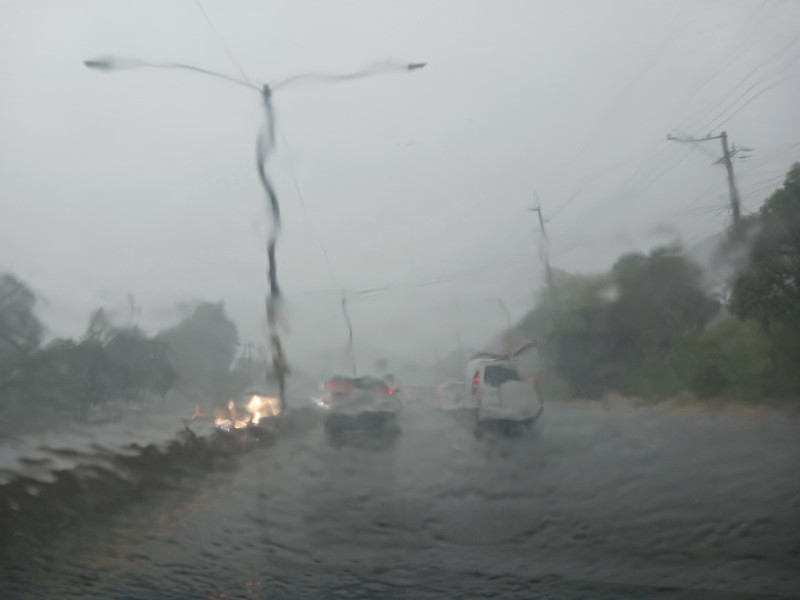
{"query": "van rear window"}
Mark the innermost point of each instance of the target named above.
(497, 375)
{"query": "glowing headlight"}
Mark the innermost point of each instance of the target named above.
(320, 402)
(263, 406)
(224, 424)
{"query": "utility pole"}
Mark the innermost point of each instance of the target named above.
(548, 270)
(735, 202)
(350, 350)
(727, 155)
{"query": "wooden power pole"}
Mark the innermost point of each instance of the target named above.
(546, 253)
(727, 155)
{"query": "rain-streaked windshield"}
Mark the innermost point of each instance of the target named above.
(399, 299)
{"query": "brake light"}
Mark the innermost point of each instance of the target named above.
(391, 392)
(476, 379)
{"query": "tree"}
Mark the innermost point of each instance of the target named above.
(139, 364)
(570, 324)
(40, 385)
(768, 290)
(65, 376)
(660, 301)
(20, 328)
(600, 329)
(203, 347)
(100, 327)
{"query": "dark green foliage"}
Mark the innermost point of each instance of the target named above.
(141, 363)
(203, 347)
(708, 381)
(596, 331)
(66, 378)
(644, 328)
(20, 329)
(769, 289)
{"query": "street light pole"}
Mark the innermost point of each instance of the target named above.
(264, 148)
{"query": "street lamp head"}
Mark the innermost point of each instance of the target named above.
(112, 63)
(412, 66)
(97, 63)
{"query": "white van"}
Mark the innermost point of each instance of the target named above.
(497, 393)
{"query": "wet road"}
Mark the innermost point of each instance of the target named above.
(597, 503)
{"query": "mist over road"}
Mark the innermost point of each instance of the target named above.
(598, 502)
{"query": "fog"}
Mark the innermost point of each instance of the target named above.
(528, 325)
(142, 182)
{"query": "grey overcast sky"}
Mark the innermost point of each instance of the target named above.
(143, 181)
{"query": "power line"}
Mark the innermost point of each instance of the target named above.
(633, 185)
(368, 293)
(743, 95)
(729, 61)
(225, 47)
(774, 179)
(667, 40)
(302, 202)
(659, 175)
(752, 99)
(768, 187)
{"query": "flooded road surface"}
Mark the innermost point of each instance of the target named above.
(620, 503)
(72, 445)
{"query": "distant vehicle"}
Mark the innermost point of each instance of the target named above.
(450, 395)
(359, 406)
(499, 396)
